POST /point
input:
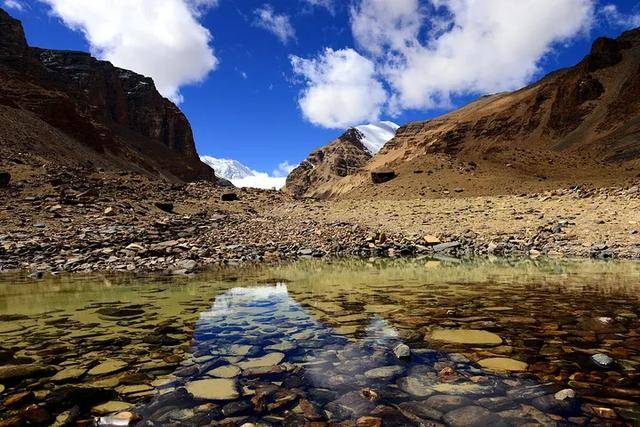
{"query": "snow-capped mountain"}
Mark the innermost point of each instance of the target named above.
(227, 168)
(243, 176)
(375, 135)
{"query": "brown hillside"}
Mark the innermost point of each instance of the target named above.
(68, 108)
(579, 125)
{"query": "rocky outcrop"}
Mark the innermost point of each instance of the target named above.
(115, 112)
(342, 157)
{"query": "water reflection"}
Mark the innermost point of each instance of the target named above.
(264, 359)
(515, 342)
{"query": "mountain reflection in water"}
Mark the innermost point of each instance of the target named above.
(502, 342)
(284, 366)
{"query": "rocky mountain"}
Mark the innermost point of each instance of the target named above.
(576, 126)
(344, 156)
(69, 108)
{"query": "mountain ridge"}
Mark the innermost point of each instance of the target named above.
(576, 125)
(108, 116)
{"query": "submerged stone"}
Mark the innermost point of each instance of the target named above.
(270, 359)
(473, 416)
(109, 366)
(602, 360)
(466, 337)
(213, 389)
(227, 371)
(402, 351)
(111, 407)
(503, 364)
(68, 374)
(386, 372)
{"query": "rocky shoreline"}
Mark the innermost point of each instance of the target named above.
(78, 221)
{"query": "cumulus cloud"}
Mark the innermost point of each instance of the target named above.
(243, 176)
(614, 17)
(327, 4)
(423, 54)
(279, 25)
(14, 5)
(284, 169)
(161, 39)
(470, 46)
(341, 88)
(277, 179)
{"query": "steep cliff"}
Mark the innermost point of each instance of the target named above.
(116, 113)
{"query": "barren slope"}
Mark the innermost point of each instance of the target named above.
(578, 125)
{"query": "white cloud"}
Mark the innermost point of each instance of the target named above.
(161, 39)
(277, 179)
(380, 25)
(260, 180)
(284, 169)
(327, 4)
(341, 88)
(615, 17)
(280, 25)
(14, 4)
(455, 47)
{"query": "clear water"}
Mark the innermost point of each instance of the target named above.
(312, 343)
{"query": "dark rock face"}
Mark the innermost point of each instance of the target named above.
(112, 110)
(605, 52)
(229, 197)
(382, 176)
(5, 179)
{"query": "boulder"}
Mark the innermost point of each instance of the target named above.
(10, 373)
(383, 175)
(5, 179)
(164, 206)
(229, 197)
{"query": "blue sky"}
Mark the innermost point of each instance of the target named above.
(266, 54)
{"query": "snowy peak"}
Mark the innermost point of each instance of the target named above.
(227, 168)
(243, 176)
(375, 135)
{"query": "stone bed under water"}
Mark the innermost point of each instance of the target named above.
(420, 342)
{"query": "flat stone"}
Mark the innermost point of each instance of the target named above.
(466, 337)
(213, 389)
(109, 366)
(239, 350)
(384, 373)
(462, 389)
(602, 360)
(270, 359)
(503, 364)
(445, 246)
(447, 403)
(420, 410)
(19, 372)
(227, 371)
(111, 407)
(133, 389)
(68, 374)
(416, 386)
(473, 416)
